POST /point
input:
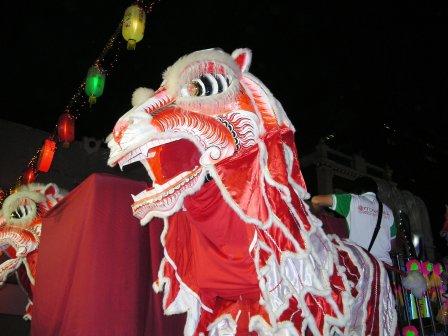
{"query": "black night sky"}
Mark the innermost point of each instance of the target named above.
(373, 76)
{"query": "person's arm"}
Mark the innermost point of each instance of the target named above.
(320, 201)
(336, 202)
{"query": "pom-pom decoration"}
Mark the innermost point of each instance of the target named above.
(410, 331)
(29, 176)
(438, 269)
(95, 82)
(133, 25)
(141, 95)
(415, 282)
(46, 155)
(66, 129)
(413, 265)
(435, 281)
(426, 268)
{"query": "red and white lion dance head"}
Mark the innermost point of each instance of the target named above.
(20, 229)
(216, 108)
(242, 251)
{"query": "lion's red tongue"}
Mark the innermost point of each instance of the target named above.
(172, 159)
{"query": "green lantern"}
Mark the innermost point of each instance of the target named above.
(94, 83)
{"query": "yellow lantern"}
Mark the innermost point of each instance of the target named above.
(133, 25)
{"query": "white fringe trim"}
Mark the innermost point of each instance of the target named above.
(224, 325)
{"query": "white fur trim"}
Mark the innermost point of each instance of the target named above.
(140, 95)
(173, 75)
(28, 271)
(259, 325)
(7, 267)
(289, 157)
(28, 317)
(223, 325)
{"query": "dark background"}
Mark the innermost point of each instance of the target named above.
(371, 78)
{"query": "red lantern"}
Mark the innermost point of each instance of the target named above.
(29, 176)
(46, 155)
(66, 129)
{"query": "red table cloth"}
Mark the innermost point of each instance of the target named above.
(97, 264)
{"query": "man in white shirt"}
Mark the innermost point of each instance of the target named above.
(361, 212)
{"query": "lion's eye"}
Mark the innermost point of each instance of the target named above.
(194, 89)
(20, 212)
(206, 85)
(15, 215)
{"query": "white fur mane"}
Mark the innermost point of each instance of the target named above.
(173, 75)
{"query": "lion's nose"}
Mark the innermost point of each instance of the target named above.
(119, 129)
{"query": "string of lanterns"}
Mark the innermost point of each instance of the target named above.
(132, 28)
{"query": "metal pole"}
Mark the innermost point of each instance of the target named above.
(403, 293)
(431, 314)
(419, 314)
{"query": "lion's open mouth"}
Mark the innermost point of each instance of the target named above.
(165, 196)
(143, 152)
(173, 165)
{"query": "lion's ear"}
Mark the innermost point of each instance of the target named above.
(243, 57)
(51, 189)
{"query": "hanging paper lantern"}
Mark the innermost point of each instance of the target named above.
(410, 331)
(133, 25)
(66, 129)
(94, 83)
(413, 265)
(46, 155)
(29, 176)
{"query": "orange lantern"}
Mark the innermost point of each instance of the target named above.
(66, 129)
(46, 155)
(29, 176)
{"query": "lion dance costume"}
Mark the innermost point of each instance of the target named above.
(242, 252)
(20, 228)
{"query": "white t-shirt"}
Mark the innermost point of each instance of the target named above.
(361, 213)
